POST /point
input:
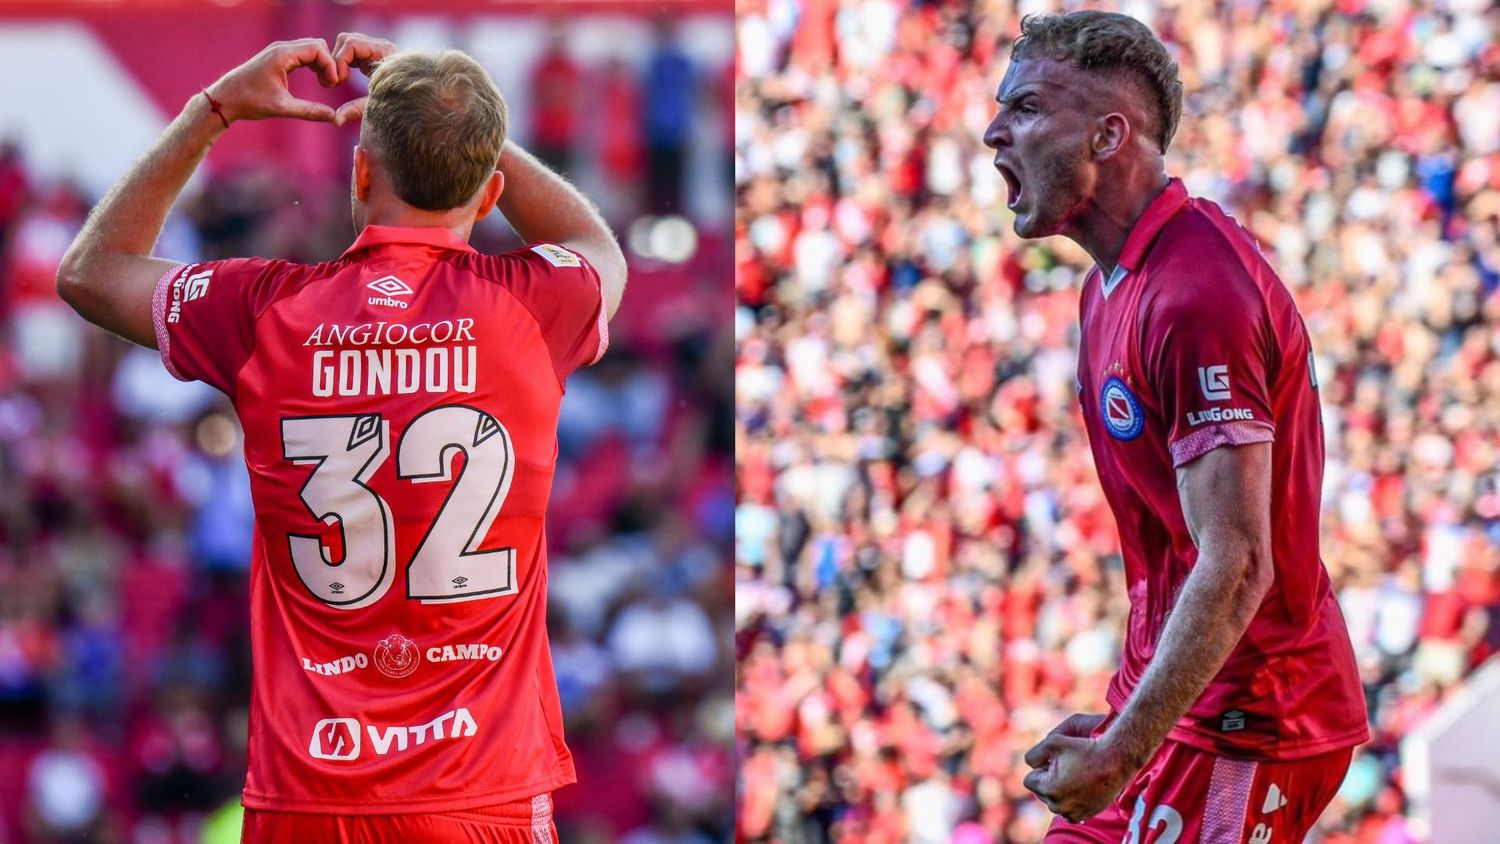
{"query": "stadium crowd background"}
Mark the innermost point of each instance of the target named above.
(125, 520)
(927, 574)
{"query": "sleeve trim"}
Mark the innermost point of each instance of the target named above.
(603, 328)
(159, 322)
(1201, 442)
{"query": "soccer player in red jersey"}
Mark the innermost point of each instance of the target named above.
(1237, 703)
(400, 407)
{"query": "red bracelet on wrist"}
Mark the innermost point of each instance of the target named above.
(217, 107)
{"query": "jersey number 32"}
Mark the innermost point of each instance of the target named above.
(352, 564)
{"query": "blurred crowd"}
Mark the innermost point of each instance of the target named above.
(125, 525)
(927, 574)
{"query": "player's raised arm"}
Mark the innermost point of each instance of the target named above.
(108, 274)
(541, 205)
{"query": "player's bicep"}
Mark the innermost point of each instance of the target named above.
(1226, 502)
(117, 294)
(609, 262)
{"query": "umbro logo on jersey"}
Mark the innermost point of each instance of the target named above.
(389, 287)
(460, 582)
(1233, 722)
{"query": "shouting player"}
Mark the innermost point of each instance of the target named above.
(1236, 705)
(399, 405)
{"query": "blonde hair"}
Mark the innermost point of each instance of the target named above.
(1109, 43)
(438, 123)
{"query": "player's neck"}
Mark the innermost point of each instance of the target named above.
(400, 215)
(1105, 228)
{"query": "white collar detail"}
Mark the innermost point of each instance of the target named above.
(1114, 280)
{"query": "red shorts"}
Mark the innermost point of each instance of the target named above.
(1191, 795)
(521, 822)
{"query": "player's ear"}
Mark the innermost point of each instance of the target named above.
(362, 175)
(1111, 132)
(490, 194)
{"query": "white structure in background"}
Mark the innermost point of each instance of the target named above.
(1452, 763)
(63, 92)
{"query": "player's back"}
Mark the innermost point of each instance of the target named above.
(400, 409)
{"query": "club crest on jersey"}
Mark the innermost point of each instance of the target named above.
(397, 656)
(1121, 411)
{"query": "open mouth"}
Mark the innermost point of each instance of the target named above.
(1012, 185)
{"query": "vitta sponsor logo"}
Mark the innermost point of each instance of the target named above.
(342, 665)
(1219, 414)
(185, 288)
(341, 739)
(389, 287)
(451, 653)
(1261, 834)
(1214, 382)
(336, 739)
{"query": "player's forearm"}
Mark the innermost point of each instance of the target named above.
(129, 219)
(1215, 607)
(541, 205)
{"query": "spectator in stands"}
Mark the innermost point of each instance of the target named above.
(669, 93)
(556, 85)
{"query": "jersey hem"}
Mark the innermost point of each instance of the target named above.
(1281, 753)
(1280, 750)
(385, 806)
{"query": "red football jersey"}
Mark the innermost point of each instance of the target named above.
(1193, 343)
(400, 414)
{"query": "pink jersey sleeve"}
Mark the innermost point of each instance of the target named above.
(1209, 349)
(204, 319)
(563, 293)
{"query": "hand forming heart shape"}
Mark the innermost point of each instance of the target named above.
(258, 89)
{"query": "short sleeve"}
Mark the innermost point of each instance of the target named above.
(1209, 351)
(203, 315)
(563, 292)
